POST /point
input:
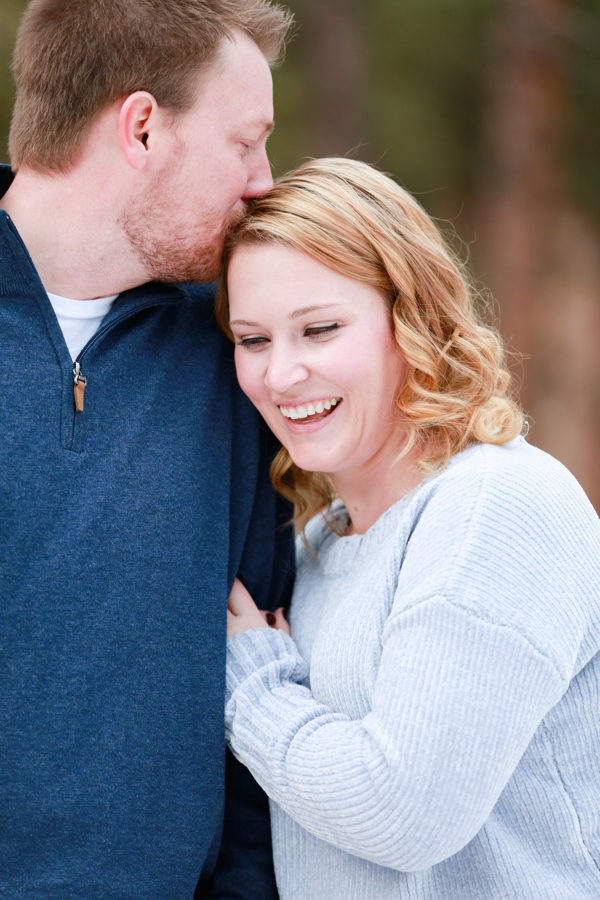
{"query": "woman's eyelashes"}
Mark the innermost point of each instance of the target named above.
(314, 333)
(253, 343)
(318, 332)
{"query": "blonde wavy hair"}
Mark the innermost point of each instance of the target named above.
(359, 222)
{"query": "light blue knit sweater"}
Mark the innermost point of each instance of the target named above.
(433, 731)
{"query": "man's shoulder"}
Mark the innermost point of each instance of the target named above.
(198, 301)
(199, 298)
(189, 308)
(199, 293)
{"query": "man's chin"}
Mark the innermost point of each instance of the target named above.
(206, 265)
(185, 260)
(181, 264)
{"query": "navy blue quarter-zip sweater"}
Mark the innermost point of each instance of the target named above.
(121, 530)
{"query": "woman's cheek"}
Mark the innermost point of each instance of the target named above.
(251, 373)
(246, 376)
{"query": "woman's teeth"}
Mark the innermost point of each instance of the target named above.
(310, 409)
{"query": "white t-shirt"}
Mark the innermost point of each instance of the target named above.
(79, 319)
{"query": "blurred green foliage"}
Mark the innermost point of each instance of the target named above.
(584, 144)
(10, 12)
(425, 72)
(425, 60)
(427, 68)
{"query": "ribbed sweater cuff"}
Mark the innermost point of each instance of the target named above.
(269, 655)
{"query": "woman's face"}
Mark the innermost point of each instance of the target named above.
(316, 355)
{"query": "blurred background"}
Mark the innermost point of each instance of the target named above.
(489, 112)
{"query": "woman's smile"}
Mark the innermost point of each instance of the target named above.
(301, 415)
(309, 410)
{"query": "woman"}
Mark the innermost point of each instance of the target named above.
(432, 729)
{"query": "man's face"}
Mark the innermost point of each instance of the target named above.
(217, 163)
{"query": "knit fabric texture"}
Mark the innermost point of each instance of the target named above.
(433, 730)
(122, 528)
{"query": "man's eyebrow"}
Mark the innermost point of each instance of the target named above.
(266, 126)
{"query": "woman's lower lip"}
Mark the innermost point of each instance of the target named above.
(307, 426)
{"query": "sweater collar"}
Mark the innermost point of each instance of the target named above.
(6, 178)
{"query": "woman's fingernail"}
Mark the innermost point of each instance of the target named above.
(271, 619)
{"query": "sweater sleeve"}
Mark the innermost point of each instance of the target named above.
(456, 702)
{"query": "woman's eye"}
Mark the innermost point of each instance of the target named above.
(316, 332)
(253, 343)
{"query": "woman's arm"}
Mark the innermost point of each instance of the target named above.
(496, 608)
(456, 703)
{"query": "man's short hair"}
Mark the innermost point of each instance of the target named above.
(73, 58)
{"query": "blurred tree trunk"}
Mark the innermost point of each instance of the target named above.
(538, 256)
(522, 187)
(334, 40)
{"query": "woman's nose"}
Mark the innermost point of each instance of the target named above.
(285, 370)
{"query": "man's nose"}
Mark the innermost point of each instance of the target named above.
(261, 178)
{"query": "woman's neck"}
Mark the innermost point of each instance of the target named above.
(368, 493)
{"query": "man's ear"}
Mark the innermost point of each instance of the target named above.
(139, 124)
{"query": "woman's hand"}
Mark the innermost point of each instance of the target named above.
(243, 613)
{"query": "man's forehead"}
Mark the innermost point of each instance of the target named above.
(242, 89)
(237, 58)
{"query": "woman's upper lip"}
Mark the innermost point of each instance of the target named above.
(322, 399)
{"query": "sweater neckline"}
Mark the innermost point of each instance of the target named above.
(337, 553)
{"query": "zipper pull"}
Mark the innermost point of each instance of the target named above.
(80, 383)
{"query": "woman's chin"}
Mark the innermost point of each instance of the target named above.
(312, 462)
(310, 458)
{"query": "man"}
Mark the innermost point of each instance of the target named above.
(133, 472)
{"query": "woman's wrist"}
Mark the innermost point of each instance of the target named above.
(260, 650)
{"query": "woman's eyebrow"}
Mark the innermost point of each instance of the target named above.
(293, 315)
(309, 309)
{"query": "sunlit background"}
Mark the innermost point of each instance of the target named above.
(489, 111)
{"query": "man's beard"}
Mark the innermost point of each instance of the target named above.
(169, 249)
(175, 254)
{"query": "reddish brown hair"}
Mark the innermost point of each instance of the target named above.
(359, 222)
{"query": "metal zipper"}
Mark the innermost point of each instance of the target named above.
(79, 378)
(80, 383)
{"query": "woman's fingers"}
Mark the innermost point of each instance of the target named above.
(281, 621)
(240, 601)
(243, 614)
(276, 620)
